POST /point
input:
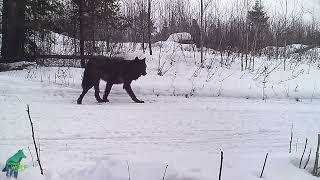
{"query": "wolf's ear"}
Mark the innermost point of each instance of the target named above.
(136, 58)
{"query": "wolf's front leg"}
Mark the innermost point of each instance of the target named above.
(127, 87)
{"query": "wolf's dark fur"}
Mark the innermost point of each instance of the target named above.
(113, 71)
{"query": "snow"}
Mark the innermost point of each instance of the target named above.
(288, 50)
(95, 141)
(179, 37)
(181, 76)
(16, 65)
(190, 115)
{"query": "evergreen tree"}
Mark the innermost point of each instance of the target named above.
(100, 16)
(21, 20)
(140, 25)
(165, 32)
(42, 15)
(29, 21)
(13, 15)
(41, 19)
(258, 25)
(195, 32)
(100, 21)
(1, 5)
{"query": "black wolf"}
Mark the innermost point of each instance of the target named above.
(113, 71)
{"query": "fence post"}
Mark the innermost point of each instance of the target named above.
(315, 168)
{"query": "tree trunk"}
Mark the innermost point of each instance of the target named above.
(4, 25)
(142, 28)
(13, 30)
(93, 42)
(201, 33)
(149, 26)
(83, 63)
(316, 162)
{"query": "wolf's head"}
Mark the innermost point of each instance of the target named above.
(16, 158)
(20, 154)
(142, 67)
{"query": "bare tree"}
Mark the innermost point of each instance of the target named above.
(149, 26)
(81, 30)
(201, 32)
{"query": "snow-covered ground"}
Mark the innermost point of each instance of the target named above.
(180, 75)
(190, 115)
(95, 141)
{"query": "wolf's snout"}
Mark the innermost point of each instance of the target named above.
(144, 74)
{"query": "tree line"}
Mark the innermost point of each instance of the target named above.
(244, 27)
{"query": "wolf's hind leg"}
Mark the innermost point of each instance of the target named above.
(97, 92)
(107, 91)
(127, 87)
(84, 92)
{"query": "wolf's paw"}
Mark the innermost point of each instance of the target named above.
(79, 101)
(139, 101)
(100, 101)
(105, 100)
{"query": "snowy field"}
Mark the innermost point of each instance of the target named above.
(190, 115)
(95, 141)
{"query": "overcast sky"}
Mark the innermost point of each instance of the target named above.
(309, 8)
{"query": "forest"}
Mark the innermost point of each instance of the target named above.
(246, 27)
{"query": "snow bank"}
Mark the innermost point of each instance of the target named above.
(287, 50)
(173, 70)
(16, 66)
(180, 37)
(56, 43)
(171, 46)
